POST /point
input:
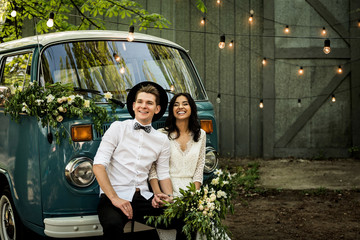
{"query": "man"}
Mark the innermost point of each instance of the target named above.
(123, 161)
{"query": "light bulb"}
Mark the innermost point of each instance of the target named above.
(122, 70)
(172, 88)
(130, 36)
(50, 22)
(202, 21)
(13, 13)
(299, 102)
(117, 57)
(339, 69)
(218, 99)
(263, 61)
(301, 70)
(323, 32)
(261, 105)
(333, 99)
(218, 1)
(327, 48)
(287, 29)
(222, 42)
(231, 43)
(358, 23)
(251, 18)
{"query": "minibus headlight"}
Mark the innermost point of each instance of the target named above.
(79, 172)
(211, 160)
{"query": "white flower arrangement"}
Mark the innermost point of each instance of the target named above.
(202, 209)
(53, 104)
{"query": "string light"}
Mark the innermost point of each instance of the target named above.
(218, 99)
(130, 36)
(222, 42)
(261, 104)
(13, 13)
(323, 32)
(301, 70)
(359, 23)
(172, 88)
(122, 70)
(251, 18)
(299, 102)
(50, 22)
(333, 99)
(231, 43)
(202, 22)
(339, 69)
(218, 1)
(327, 48)
(117, 57)
(263, 61)
(287, 29)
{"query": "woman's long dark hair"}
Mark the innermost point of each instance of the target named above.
(194, 125)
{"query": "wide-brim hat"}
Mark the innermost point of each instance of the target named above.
(163, 99)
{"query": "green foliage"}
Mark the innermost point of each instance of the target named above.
(89, 13)
(51, 105)
(202, 210)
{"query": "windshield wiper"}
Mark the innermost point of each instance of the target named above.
(116, 101)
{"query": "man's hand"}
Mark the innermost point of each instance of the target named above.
(158, 200)
(124, 205)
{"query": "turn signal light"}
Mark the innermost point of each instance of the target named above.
(207, 126)
(81, 133)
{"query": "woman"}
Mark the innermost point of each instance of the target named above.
(187, 146)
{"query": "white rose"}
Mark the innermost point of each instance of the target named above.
(108, 95)
(87, 103)
(59, 100)
(215, 181)
(59, 118)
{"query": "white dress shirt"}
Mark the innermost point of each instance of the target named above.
(128, 154)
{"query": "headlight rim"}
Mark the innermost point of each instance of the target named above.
(71, 167)
(215, 165)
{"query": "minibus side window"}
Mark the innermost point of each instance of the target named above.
(17, 70)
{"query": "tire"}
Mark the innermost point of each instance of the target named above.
(11, 228)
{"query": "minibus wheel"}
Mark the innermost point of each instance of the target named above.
(11, 226)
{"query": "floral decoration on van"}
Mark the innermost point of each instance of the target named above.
(54, 103)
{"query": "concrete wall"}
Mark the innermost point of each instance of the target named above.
(317, 129)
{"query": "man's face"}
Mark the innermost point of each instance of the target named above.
(145, 107)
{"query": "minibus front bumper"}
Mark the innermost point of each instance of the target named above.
(82, 226)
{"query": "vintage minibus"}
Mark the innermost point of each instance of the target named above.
(47, 185)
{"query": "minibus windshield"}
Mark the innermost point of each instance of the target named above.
(97, 67)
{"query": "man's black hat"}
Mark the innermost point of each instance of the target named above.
(163, 99)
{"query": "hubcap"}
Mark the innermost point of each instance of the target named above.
(8, 223)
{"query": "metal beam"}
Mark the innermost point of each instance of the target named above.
(330, 19)
(312, 52)
(311, 110)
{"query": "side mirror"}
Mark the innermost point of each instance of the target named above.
(5, 92)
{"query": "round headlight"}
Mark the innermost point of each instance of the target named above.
(79, 172)
(211, 160)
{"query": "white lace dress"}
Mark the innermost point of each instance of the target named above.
(185, 167)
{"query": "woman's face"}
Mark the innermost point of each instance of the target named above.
(182, 109)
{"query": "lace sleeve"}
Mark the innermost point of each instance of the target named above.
(199, 172)
(152, 173)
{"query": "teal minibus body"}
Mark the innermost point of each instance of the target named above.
(47, 186)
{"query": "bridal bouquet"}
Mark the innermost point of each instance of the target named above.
(202, 209)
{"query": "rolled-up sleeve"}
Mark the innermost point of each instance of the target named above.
(162, 163)
(107, 146)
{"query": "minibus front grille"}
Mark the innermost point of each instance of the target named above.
(98, 135)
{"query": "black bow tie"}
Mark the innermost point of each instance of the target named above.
(145, 128)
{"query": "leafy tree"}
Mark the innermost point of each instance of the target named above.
(90, 12)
